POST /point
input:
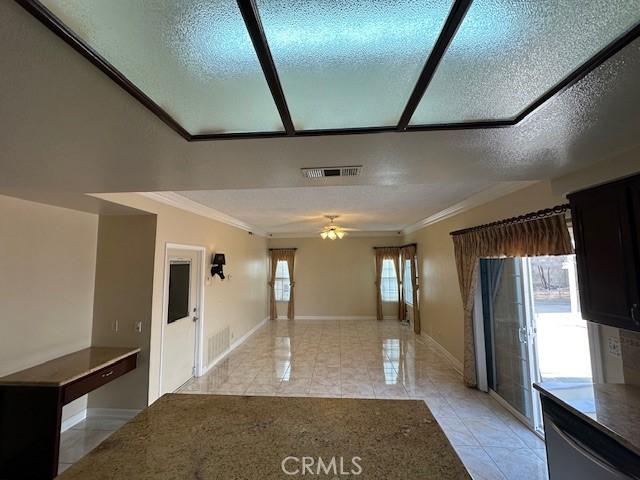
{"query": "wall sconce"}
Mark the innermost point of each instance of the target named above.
(217, 261)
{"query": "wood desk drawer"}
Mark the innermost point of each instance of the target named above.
(101, 377)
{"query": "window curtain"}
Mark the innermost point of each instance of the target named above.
(273, 309)
(381, 254)
(288, 255)
(399, 270)
(409, 253)
(540, 233)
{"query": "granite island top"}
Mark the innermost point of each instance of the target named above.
(66, 369)
(614, 409)
(238, 437)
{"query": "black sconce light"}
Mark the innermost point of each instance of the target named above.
(217, 261)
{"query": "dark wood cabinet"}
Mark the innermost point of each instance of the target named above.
(606, 221)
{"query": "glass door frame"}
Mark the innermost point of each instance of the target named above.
(485, 354)
(527, 336)
(531, 339)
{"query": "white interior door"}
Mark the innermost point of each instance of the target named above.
(181, 307)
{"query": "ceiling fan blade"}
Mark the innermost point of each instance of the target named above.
(310, 222)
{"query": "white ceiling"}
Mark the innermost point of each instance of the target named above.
(361, 207)
(80, 132)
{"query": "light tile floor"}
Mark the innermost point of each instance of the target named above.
(371, 359)
(358, 359)
(83, 437)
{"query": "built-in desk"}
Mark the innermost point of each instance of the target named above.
(31, 404)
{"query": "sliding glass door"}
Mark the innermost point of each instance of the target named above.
(562, 335)
(509, 333)
(533, 329)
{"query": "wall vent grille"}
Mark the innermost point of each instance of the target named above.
(351, 171)
(217, 344)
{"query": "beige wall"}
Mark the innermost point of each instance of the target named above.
(622, 165)
(123, 293)
(238, 303)
(335, 278)
(440, 303)
(47, 271)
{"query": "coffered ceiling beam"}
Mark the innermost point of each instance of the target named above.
(456, 15)
(252, 21)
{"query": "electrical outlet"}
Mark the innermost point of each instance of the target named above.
(114, 325)
(139, 327)
(614, 346)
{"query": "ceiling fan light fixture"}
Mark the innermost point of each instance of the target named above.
(332, 231)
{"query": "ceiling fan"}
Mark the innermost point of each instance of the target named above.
(332, 231)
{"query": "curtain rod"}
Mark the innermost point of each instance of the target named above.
(547, 212)
(272, 249)
(401, 246)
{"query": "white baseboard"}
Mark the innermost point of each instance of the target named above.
(455, 363)
(73, 420)
(340, 317)
(233, 346)
(112, 412)
(97, 412)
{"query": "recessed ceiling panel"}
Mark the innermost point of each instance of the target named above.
(350, 64)
(508, 53)
(193, 58)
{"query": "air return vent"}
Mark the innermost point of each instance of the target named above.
(352, 171)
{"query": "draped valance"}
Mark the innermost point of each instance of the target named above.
(540, 233)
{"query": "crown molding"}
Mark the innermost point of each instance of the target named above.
(359, 234)
(184, 203)
(485, 196)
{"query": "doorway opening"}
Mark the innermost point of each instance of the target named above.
(533, 329)
(183, 309)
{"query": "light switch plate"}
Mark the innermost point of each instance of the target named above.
(614, 346)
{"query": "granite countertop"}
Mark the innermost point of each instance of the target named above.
(614, 409)
(238, 437)
(66, 369)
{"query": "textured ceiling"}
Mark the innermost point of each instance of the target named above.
(342, 64)
(365, 208)
(79, 132)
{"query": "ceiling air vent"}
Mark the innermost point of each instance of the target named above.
(351, 171)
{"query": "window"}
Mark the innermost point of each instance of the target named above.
(389, 283)
(282, 281)
(406, 283)
(179, 280)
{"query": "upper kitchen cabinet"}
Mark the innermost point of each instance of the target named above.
(606, 222)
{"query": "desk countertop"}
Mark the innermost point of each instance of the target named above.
(63, 370)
